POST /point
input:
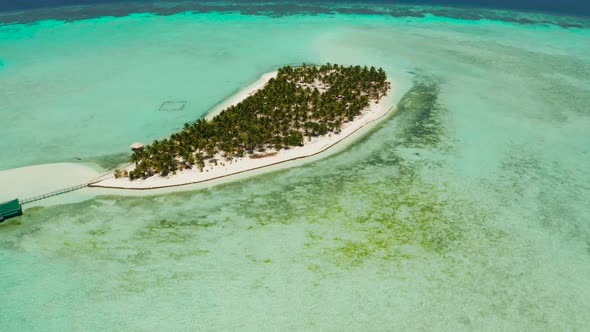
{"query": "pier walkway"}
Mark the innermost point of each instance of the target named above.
(53, 193)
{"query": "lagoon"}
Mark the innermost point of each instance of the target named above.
(465, 211)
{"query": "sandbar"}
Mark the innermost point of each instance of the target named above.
(30, 181)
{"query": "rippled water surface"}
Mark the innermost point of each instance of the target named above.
(467, 210)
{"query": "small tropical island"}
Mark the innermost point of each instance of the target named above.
(288, 114)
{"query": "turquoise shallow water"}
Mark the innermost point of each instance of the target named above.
(465, 211)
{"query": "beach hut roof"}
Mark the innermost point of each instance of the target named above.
(10, 209)
(137, 145)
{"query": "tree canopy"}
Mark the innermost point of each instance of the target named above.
(300, 102)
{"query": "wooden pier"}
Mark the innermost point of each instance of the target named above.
(13, 208)
(51, 194)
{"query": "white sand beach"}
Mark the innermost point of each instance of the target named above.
(224, 168)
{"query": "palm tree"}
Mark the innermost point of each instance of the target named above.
(276, 116)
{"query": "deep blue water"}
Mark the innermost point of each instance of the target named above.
(575, 7)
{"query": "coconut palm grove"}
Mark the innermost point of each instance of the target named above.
(301, 102)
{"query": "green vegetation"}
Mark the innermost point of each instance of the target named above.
(300, 102)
